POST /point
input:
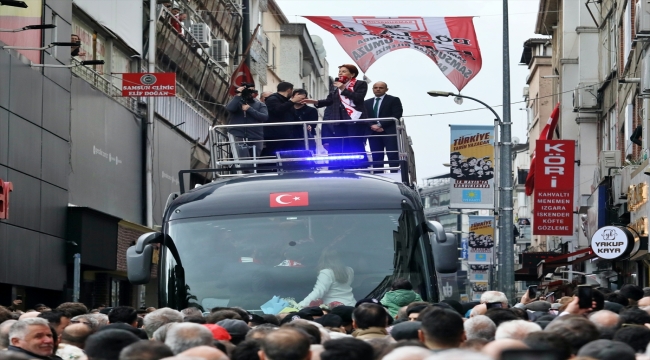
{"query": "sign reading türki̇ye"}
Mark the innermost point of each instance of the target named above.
(149, 84)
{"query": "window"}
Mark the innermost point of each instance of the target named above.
(609, 131)
(612, 44)
(627, 33)
(628, 128)
(273, 58)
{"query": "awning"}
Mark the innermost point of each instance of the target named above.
(549, 265)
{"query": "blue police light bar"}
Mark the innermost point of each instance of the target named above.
(335, 157)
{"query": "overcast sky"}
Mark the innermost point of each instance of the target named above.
(410, 74)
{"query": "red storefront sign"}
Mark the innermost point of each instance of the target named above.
(149, 84)
(553, 206)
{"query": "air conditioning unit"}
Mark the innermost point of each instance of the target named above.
(201, 32)
(585, 97)
(526, 90)
(642, 20)
(220, 51)
(645, 72)
(607, 160)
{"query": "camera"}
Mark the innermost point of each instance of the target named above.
(248, 93)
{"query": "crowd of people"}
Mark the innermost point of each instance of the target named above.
(345, 101)
(399, 327)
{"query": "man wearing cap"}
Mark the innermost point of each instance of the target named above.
(345, 312)
(369, 321)
(236, 328)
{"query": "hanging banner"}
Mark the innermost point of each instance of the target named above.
(449, 41)
(472, 167)
(481, 240)
(554, 168)
(479, 272)
(478, 288)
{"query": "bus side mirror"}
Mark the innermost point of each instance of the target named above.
(444, 249)
(139, 256)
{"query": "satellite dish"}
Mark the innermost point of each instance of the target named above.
(515, 140)
(318, 46)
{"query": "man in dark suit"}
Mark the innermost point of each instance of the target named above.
(383, 106)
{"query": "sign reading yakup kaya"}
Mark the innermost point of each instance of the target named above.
(449, 41)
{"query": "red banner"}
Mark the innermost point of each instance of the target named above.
(553, 206)
(449, 41)
(149, 84)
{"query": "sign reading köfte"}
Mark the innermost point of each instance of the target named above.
(554, 177)
(149, 84)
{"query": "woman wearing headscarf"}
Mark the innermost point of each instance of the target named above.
(345, 102)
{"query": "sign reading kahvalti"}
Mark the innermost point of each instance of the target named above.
(554, 168)
(472, 167)
(449, 41)
(148, 84)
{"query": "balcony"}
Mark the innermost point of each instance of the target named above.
(221, 15)
(102, 84)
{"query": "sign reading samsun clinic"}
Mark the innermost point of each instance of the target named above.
(149, 84)
(472, 167)
(553, 207)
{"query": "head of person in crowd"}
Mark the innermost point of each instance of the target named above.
(286, 344)
(183, 336)
(637, 336)
(407, 330)
(617, 298)
(123, 314)
(126, 327)
(369, 321)
(413, 313)
(442, 329)
(576, 329)
(246, 350)
(236, 328)
(644, 301)
(521, 314)
(516, 329)
(191, 311)
(260, 332)
(285, 89)
(308, 328)
(632, 292)
(331, 322)
(480, 327)
(500, 315)
(87, 320)
(220, 315)
(347, 348)
(475, 344)
(607, 323)
(146, 350)
(5, 314)
(203, 352)
(42, 307)
(381, 346)
(634, 315)
(408, 352)
(58, 319)
(477, 310)
(546, 341)
(463, 354)
(161, 333)
(160, 317)
(4, 333)
(496, 347)
(607, 350)
(494, 297)
(264, 95)
(176, 11)
(32, 336)
(107, 345)
(349, 71)
(102, 319)
(72, 308)
(76, 335)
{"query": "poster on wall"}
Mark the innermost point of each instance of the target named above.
(479, 272)
(472, 167)
(481, 240)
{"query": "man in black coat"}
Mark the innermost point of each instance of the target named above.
(383, 106)
(281, 110)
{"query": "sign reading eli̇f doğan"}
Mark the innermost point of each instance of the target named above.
(614, 242)
(148, 84)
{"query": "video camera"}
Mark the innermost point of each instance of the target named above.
(248, 93)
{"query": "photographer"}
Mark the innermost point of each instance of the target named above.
(244, 109)
(281, 110)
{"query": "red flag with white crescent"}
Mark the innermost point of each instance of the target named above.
(449, 41)
(239, 76)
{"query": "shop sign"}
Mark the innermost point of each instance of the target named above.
(5, 188)
(637, 195)
(149, 84)
(640, 225)
(613, 242)
(554, 179)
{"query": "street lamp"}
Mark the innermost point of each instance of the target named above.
(14, 3)
(506, 274)
(30, 27)
(56, 43)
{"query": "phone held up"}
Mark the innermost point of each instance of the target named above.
(532, 292)
(585, 297)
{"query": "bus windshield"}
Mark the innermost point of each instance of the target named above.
(311, 258)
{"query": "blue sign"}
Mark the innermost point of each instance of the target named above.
(481, 257)
(471, 196)
(464, 252)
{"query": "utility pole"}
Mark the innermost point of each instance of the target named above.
(505, 212)
(153, 19)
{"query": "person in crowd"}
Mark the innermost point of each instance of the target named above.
(607, 323)
(499, 315)
(32, 337)
(4, 333)
(237, 329)
(575, 329)
(102, 319)
(637, 337)
(160, 317)
(617, 298)
(87, 320)
(264, 95)
(122, 326)
(203, 352)
(245, 109)
(334, 280)
(607, 350)
(220, 315)
(643, 302)
(175, 21)
(181, 337)
(75, 51)
(401, 294)
(347, 348)
(442, 329)
(369, 321)
(480, 327)
(286, 344)
(383, 106)
(632, 292)
(344, 102)
(546, 341)
(161, 333)
(634, 315)
(260, 332)
(73, 341)
(146, 350)
(496, 347)
(408, 352)
(304, 112)
(191, 311)
(489, 297)
(407, 330)
(516, 329)
(281, 110)
(345, 312)
(72, 308)
(107, 345)
(246, 350)
(123, 314)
